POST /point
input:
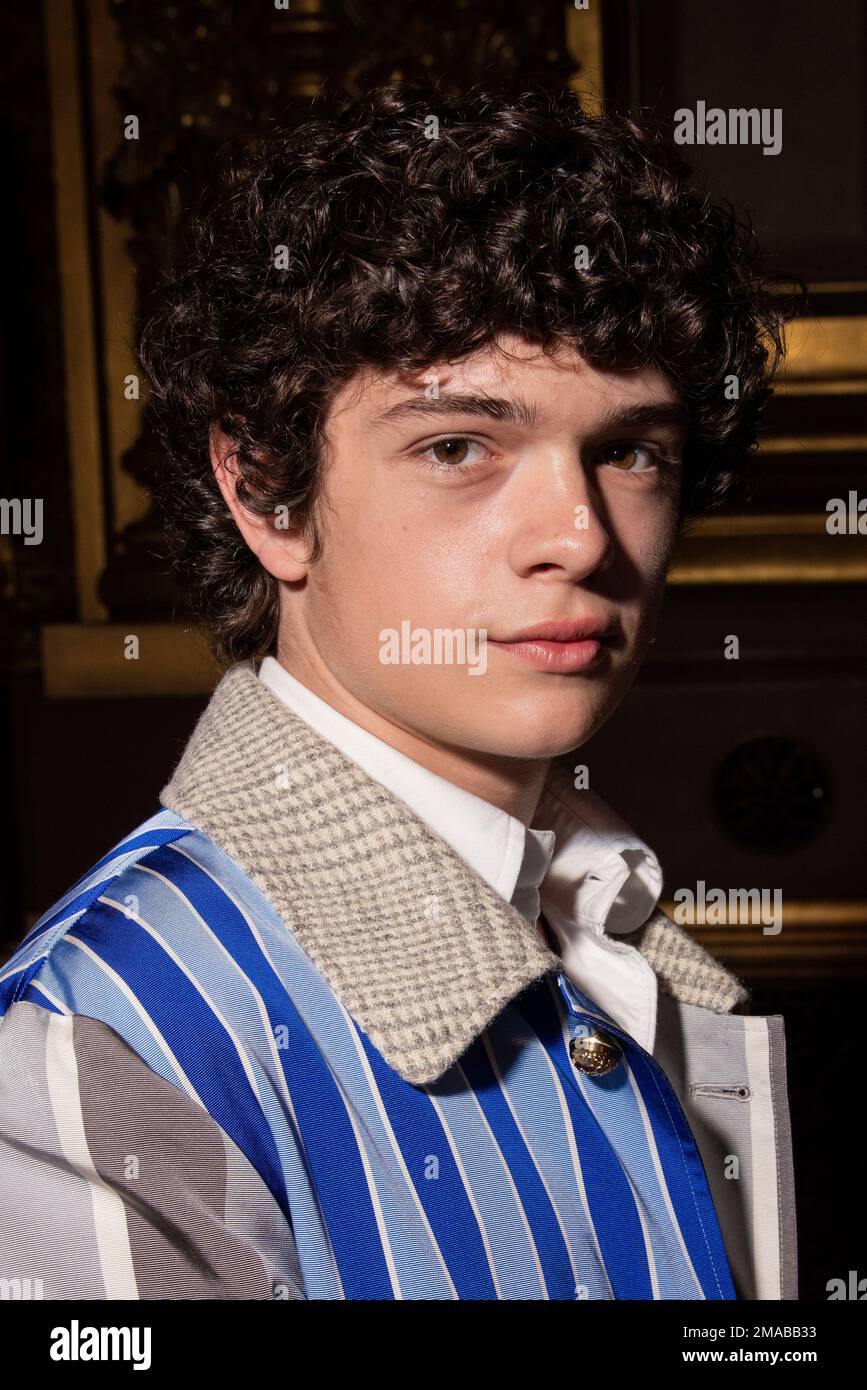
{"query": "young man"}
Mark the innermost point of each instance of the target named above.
(380, 1003)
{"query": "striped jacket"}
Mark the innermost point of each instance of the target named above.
(281, 1042)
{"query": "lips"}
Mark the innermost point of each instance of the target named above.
(577, 630)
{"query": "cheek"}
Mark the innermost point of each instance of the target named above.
(651, 559)
(644, 553)
(387, 558)
(647, 535)
(410, 543)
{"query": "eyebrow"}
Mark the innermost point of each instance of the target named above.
(520, 412)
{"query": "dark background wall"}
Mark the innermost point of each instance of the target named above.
(747, 773)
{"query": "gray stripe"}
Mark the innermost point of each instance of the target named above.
(253, 1214)
(785, 1161)
(47, 1230)
(167, 1158)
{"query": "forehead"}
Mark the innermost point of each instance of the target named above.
(512, 368)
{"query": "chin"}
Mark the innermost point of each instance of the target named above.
(533, 732)
(552, 745)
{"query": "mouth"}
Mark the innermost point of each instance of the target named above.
(563, 646)
(555, 656)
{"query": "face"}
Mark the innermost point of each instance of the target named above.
(500, 493)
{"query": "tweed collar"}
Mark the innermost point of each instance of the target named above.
(419, 949)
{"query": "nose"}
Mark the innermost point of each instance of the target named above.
(560, 524)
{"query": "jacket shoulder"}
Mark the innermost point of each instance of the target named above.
(106, 875)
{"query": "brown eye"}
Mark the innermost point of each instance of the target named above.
(625, 457)
(450, 450)
(623, 454)
(454, 455)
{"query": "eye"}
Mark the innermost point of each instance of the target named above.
(626, 454)
(450, 454)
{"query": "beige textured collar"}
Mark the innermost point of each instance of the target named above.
(418, 948)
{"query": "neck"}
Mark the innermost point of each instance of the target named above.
(514, 785)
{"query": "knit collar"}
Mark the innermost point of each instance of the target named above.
(421, 952)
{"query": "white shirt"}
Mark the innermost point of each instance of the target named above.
(578, 862)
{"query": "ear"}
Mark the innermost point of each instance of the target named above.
(280, 549)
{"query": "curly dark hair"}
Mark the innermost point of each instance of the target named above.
(403, 250)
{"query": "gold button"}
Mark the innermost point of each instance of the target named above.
(595, 1052)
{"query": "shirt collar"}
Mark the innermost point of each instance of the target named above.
(419, 949)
